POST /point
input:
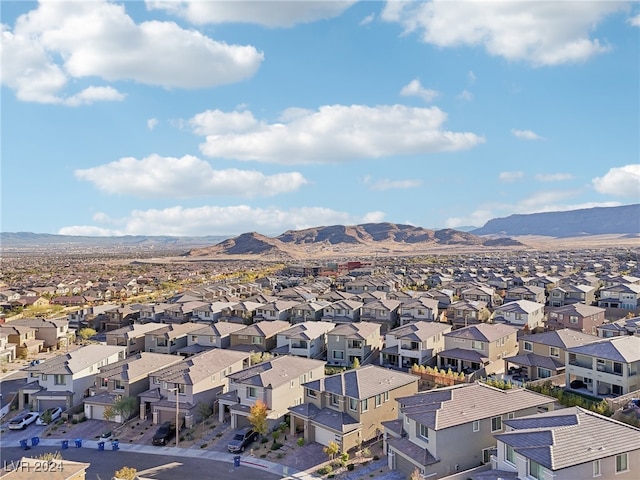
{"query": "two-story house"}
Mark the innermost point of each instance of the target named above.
(307, 339)
(197, 379)
(349, 408)
(64, 381)
(625, 326)
(349, 341)
(567, 444)
(275, 310)
(610, 367)
(342, 311)
(577, 316)
(418, 309)
(414, 343)
(521, 314)
(132, 337)
(125, 378)
(526, 292)
(24, 339)
(541, 355)
(477, 347)
(448, 430)
(625, 296)
(210, 312)
(53, 333)
(384, 312)
(463, 313)
(7, 350)
(308, 310)
(213, 335)
(258, 337)
(570, 294)
(277, 382)
(479, 293)
(240, 312)
(169, 338)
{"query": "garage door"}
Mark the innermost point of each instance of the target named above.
(324, 436)
(94, 411)
(44, 404)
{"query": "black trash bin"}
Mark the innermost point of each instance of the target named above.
(236, 460)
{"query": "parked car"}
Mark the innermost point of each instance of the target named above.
(165, 433)
(23, 421)
(241, 439)
(49, 415)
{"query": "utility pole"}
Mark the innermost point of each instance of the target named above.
(175, 390)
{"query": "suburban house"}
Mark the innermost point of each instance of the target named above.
(414, 343)
(568, 444)
(307, 339)
(132, 337)
(308, 310)
(349, 408)
(542, 355)
(448, 430)
(577, 316)
(476, 347)
(240, 312)
(526, 292)
(277, 382)
(342, 311)
(64, 381)
(7, 350)
(467, 312)
(169, 338)
(417, 309)
(625, 326)
(479, 293)
(54, 333)
(119, 317)
(24, 338)
(384, 312)
(213, 335)
(258, 337)
(625, 296)
(522, 314)
(210, 312)
(199, 379)
(570, 294)
(275, 310)
(349, 341)
(125, 378)
(609, 367)
(152, 313)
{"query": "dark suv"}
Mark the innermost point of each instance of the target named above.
(241, 439)
(165, 433)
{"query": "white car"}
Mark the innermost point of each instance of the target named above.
(49, 415)
(23, 421)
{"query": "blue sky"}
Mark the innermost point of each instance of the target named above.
(218, 118)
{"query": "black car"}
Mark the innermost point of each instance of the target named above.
(165, 433)
(241, 439)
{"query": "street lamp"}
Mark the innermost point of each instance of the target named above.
(175, 390)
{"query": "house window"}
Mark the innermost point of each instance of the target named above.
(180, 387)
(477, 345)
(596, 468)
(423, 431)
(252, 392)
(311, 393)
(338, 354)
(355, 344)
(617, 368)
(535, 470)
(118, 385)
(622, 462)
(256, 340)
(161, 342)
(59, 380)
(353, 404)
(335, 400)
(554, 352)
(496, 423)
(544, 372)
(511, 415)
(365, 405)
(194, 338)
(509, 455)
(378, 400)
(528, 346)
(104, 382)
(476, 425)
(213, 377)
(573, 319)
(44, 377)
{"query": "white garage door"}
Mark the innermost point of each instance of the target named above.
(324, 436)
(95, 412)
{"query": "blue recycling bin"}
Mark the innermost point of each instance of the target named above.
(65, 444)
(114, 445)
(101, 446)
(236, 461)
(35, 441)
(25, 444)
(78, 442)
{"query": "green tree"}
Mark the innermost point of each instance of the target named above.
(258, 417)
(204, 410)
(86, 333)
(356, 363)
(331, 450)
(109, 413)
(125, 407)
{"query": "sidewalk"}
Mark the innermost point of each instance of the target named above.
(257, 463)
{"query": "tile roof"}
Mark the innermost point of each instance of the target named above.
(265, 328)
(138, 366)
(276, 372)
(619, 349)
(308, 330)
(564, 338)
(419, 331)
(359, 330)
(76, 360)
(198, 367)
(486, 332)
(535, 360)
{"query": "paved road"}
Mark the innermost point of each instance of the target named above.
(158, 467)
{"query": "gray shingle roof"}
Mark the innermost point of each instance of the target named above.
(485, 332)
(564, 338)
(275, 372)
(619, 349)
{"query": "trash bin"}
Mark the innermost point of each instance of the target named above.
(114, 445)
(78, 442)
(236, 460)
(24, 444)
(101, 446)
(35, 441)
(65, 444)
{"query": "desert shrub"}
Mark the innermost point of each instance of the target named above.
(204, 445)
(376, 457)
(324, 470)
(300, 441)
(264, 440)
(276, 446)
(350, 467)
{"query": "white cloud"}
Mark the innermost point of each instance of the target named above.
(635, 20)
(415, 89)
(266, 13)
(510, 176)
(59, 42)
(540, 33)
(152, 123)
(215, 220)
(465, 95)
(332, 134)
(553, 177)
(525, 134)
(471, 77)
(368, 19)
(620, 182)
(386, 184)
(157, 176)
